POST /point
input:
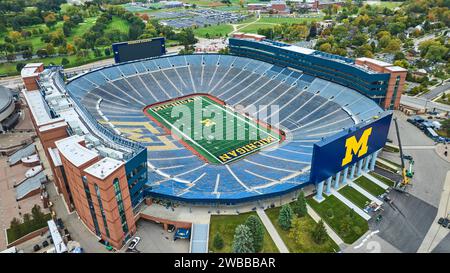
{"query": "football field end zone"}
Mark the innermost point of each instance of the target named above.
(273, 132)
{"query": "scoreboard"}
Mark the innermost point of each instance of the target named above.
(345, 148)
(139, 49)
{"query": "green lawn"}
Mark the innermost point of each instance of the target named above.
(213, 138)
(225, 225)
(26, 228)
(119, 24)
(253, 28)
(383, 179)
(81, 28)
(307, 245)
(213, 31)
(354, 196)
(334, 220)
(369, 186)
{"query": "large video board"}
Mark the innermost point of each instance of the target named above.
(139, 49)
(337, 152)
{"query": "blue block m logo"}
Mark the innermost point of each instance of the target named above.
(356, 147)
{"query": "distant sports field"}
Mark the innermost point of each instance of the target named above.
(212, 130)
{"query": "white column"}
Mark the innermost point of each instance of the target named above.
(366, 163)
(360, 163)
(328, 190)
(336, 182)
(319, 189)
(344, 178)
(352, 171)
(373, 161)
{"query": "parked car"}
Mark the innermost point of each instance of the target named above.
(441, 220)
(36, 248)
(407, 157)
(171, 228)
(60, 223)
(134, 242)
(445, 222)
(45, 243)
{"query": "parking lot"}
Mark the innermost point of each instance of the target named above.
(155, 240)
(202, 17)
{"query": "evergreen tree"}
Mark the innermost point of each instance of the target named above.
(299, 206)
(319, 233)
(285, 217)
(257, 230)
(218, 241)
(242, 242)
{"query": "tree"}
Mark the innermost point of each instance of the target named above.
(257, 229)
(19, 67)
(42, 53)
(50, 19)
(319, 233)
(70, 49)
(242, 241)
(27, 54)
(285, 217)
(27, 218)
(37, 214)
(15, 226)
(445, 126)
(187, 37)
(299, 206)
(326, 47)
(64, 61)
(218, 241)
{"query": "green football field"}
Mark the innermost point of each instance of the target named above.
(213, 131)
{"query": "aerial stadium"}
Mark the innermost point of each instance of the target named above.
(284, 117)
(310, 108)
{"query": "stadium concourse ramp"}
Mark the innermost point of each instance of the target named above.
(17, 156)
(199, 238)
(308, 109)
(30, 186)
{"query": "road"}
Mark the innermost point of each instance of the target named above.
(423, 103)
(436, 91)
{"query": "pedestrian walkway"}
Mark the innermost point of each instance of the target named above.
(390, 165)
(366, 193)
(330, 231)
(376, 181)
(272, 231)
(350, 204)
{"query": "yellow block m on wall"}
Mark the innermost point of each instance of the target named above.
(356, 147)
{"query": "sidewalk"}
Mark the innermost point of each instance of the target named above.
(387, 163)
(350, 205)
(330, 231)
(376, 181)
(366, 193)
(272, 231)
(436, 232)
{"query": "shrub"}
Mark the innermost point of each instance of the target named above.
(330, 213)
